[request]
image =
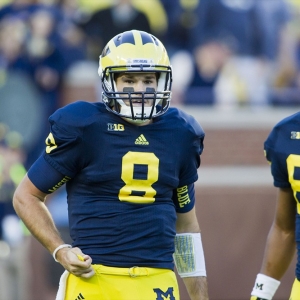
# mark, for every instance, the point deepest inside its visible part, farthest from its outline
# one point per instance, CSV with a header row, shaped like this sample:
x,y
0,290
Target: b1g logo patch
x,y
115,127
160,295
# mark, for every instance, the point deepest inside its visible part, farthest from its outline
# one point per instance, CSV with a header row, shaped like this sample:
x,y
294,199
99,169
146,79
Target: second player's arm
x,y
280,245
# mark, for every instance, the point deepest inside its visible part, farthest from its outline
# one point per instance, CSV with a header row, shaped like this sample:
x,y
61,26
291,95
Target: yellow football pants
x,y
295,294
136,283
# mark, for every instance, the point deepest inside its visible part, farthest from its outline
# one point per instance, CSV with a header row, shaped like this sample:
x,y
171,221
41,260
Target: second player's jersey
x,y
120,179
282,149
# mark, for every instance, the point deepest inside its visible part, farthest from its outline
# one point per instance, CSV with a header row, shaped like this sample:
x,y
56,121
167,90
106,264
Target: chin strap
x,y
136,122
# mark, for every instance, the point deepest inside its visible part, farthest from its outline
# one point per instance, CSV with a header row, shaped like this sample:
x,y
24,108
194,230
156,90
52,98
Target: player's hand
x,y
77,263
256,298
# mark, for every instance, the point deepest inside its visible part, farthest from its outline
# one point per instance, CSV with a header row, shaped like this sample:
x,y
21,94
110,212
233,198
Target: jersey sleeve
x,y
274,148
64,144
45,177
184,198
63,155
194,144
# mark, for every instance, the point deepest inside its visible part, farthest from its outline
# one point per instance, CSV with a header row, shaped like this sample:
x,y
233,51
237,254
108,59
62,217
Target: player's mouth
x,y
137,102
140,102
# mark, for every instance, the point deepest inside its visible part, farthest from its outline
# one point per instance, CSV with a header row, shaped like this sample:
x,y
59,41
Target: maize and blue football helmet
x,y
135,51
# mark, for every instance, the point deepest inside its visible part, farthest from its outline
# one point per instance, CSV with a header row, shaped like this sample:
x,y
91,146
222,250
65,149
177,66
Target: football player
x,y
282,150
129,165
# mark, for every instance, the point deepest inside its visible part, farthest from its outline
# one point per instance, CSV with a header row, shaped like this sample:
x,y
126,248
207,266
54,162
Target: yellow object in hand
x,y
80,257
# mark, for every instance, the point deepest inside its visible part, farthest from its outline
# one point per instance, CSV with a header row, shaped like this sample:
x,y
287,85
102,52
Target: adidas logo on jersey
x,y
141,140
80,297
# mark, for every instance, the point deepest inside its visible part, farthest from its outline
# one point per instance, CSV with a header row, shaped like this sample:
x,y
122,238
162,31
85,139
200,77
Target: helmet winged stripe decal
x,y
126,37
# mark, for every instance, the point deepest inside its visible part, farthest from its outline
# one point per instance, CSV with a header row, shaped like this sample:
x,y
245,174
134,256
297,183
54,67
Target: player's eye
x,y
130,81
148,81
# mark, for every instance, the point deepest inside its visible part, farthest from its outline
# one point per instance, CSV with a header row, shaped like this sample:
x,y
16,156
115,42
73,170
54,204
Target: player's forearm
x,y
280,249
196,287
35,215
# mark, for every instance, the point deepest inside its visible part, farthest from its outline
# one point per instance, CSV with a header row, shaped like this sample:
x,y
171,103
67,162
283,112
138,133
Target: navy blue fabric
x,y
47,176
184,201
102,155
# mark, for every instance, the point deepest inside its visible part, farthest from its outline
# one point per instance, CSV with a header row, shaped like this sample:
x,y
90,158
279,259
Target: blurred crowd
x,y
224,53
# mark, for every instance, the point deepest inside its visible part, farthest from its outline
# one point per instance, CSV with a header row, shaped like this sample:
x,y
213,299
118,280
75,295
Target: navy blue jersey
x,y
120,180
283,151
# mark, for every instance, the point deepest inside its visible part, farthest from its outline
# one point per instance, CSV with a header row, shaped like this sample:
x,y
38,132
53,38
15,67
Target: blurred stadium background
x,y
237,90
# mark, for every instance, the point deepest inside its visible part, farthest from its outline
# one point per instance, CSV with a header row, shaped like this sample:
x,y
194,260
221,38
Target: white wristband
x,y
188,255
58,248
265,287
